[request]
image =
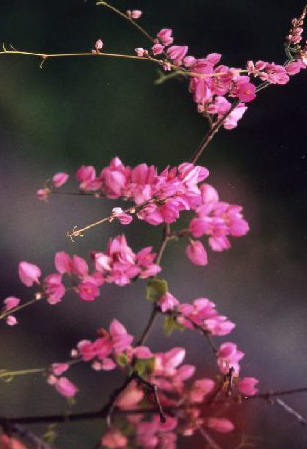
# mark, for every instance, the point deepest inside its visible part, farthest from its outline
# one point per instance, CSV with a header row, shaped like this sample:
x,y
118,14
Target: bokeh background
x,y
86,111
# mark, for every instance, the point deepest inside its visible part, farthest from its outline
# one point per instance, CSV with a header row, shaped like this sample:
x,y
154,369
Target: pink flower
x,y
29,273
165,36
197,253
7,442
11,320
130,397
98,45
43,194
246,386
200,389
65,387
88,290
245,91
141,52
114,439
86,175
229,357
168,302
59,368
120,337
121,215
11,302
134,14
59,179
157,49
62,262
177,53
54,288
222,425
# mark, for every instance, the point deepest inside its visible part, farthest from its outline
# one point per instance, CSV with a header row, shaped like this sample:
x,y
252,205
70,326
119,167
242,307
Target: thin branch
x,y
272,394
212,131
5,313
149,326
212,444
154,389
291,411
165,238
29,435
126,17
75,417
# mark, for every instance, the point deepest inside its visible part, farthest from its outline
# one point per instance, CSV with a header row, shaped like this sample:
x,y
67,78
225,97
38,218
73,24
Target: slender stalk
x,y
16,309
165,238
98,414
211,133
154,313
126,17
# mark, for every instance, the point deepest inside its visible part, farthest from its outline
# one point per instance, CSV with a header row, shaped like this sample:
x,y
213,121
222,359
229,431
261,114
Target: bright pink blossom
x,y
246,386
29,273
130,397
62,262
123,217
11,320
177,53
114,439
168,302
157,49
120,337
88,290
229,357
11,302
65,387
59,368
7,442
43,194
165,36
86,176
54,288
59,179
134,14
200,389
98,45
197,253
141,52
222,425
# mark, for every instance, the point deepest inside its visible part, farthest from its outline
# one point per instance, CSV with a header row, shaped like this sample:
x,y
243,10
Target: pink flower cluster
x,y
170,375
118,265
202,314
104,350
295,35
160,198
218,220
213,84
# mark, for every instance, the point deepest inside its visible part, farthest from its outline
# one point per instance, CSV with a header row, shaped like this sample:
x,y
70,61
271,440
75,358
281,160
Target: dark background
x,y
86,111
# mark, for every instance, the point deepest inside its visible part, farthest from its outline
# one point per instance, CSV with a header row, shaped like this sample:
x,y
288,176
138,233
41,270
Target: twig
x,y
151,321
154,389
29,435
290,410
212,131
208,439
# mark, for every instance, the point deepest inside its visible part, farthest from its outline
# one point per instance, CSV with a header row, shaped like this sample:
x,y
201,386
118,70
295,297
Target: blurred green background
x,y
86,111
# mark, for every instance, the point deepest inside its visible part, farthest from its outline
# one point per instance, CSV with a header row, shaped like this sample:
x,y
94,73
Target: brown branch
x,y
75,417
154,389
211,133
149,326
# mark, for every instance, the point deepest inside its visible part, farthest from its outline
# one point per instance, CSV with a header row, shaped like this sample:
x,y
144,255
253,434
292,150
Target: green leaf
x,y
170,324
122,360
156,288
145,367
